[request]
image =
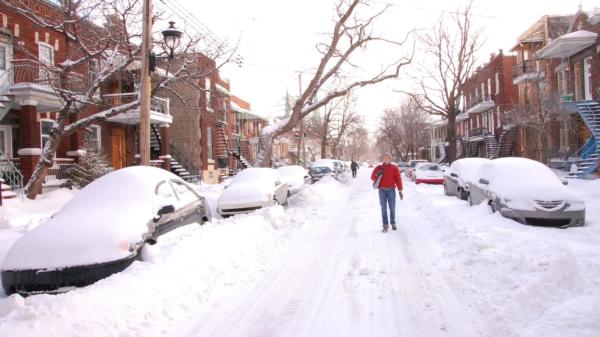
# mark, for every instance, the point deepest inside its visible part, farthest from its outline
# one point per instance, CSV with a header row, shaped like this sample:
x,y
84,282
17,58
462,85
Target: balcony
x,y
527,70
30,80
159,109
480,105
477,133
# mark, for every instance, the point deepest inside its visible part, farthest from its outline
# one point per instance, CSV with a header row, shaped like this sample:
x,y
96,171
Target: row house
x,y
436,151
533,77
246,131
483,127
574,64
30,56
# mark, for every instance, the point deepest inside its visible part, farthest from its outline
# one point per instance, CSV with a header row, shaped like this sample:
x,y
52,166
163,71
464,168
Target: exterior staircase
x,y
506,146
491,146
473,149
586,158
179,166
6,81
459,149
223,150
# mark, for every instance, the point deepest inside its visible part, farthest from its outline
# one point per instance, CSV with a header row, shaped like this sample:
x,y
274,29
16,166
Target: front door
x,y
587,78
118,149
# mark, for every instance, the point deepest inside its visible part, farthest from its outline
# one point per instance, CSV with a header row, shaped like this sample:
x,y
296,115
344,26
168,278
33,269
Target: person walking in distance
x,y
386,178
354,168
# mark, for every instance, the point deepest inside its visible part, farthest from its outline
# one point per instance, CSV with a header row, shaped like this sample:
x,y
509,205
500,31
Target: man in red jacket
x,y
386,177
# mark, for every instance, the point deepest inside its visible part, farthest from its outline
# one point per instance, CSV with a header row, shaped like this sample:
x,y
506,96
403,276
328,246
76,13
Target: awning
x,y
568,44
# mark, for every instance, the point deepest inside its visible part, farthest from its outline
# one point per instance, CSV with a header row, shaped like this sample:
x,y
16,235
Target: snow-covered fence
x,y
58,174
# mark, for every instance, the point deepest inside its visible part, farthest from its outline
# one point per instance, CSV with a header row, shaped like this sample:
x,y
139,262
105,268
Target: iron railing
x,y
58,174
32,71
527,67
157,104
11,173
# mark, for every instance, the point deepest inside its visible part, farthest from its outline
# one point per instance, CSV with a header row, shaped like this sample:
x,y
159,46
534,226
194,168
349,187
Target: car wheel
x,y
275,201
463,194
446,192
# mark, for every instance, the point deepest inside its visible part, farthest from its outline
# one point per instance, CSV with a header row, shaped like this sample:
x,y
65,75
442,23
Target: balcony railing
x,y
526,70
480,104
32,71
478,132
157,104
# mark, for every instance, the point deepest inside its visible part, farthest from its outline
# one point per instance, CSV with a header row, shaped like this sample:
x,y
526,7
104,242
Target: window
x,y
497,83
93,69
46,126
209,142
46,54
482,91
489,85
96,136
207,87
5,141
3,57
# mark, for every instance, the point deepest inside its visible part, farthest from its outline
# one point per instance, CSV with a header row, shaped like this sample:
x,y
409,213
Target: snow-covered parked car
x,y
321,168
252,189
462,172
526,191
101,230
408,172
428,173
295,176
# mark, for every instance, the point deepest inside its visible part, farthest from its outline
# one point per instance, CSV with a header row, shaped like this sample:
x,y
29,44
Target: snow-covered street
x,y
322,267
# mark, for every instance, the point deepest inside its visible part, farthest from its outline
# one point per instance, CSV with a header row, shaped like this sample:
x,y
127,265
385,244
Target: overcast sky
x,y
278,38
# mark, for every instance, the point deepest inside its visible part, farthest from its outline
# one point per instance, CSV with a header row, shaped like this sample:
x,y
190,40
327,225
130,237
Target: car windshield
x,y
319,170
414,163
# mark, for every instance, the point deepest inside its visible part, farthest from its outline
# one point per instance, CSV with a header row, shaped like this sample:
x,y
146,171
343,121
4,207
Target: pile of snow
x,y
524,280
186,270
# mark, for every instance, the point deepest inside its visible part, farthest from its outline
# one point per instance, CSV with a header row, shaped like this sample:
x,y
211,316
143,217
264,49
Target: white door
x,y
587,77
5,141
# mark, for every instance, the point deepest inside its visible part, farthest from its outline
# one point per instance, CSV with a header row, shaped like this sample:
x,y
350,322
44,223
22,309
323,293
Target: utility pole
x,y
145,85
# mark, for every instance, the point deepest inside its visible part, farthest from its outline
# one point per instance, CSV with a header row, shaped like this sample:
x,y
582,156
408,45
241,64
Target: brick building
x,y
484,128
30,59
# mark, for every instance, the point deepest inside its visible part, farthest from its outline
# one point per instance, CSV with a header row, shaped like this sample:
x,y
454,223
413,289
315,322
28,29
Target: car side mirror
x,y
484,181
454,175
167,209
565,182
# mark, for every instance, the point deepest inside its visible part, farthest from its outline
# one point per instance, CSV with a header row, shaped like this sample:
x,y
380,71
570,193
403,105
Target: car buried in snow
x,y
526,191
295,176
252,189
408,172
101,230
323,167
428,173
461,173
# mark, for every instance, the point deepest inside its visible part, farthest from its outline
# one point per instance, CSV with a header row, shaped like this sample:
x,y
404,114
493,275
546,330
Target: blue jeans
x,y
387,196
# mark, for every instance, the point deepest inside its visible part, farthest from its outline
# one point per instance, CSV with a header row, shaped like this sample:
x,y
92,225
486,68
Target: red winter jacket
x,y
391,176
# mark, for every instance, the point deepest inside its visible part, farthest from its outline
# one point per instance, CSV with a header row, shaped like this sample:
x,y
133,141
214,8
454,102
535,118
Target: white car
x,y
252,189
462,172
101,230
526,191
428,173
411,168
295,176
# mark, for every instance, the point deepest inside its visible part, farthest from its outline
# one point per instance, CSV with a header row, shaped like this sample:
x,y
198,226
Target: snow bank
x,y
526,281
184,272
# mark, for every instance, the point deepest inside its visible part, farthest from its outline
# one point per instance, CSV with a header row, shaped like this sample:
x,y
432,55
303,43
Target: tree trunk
x,y
451,135
34,185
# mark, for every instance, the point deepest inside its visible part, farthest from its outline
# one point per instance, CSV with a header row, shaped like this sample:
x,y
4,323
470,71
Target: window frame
x,y
42,121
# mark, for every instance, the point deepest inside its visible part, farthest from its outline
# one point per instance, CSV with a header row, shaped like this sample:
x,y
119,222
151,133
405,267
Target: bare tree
x,y
356,143
403,129
115,49
451,44
350,35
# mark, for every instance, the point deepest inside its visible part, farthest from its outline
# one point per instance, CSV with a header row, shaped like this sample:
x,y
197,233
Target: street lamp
x,y
172,37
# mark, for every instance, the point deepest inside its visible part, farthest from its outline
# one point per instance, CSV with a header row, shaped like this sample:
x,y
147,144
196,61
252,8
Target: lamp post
x,y
171,38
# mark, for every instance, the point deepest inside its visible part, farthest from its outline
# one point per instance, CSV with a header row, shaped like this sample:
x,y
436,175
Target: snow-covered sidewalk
x,y
322,267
